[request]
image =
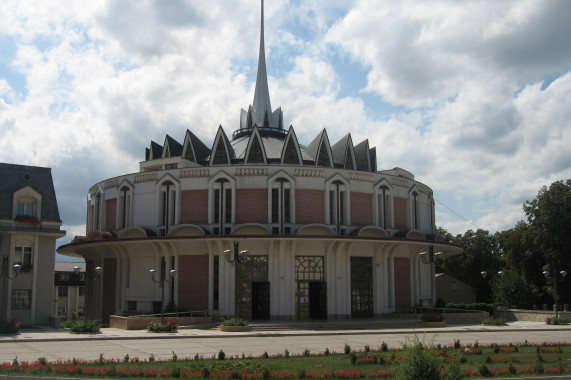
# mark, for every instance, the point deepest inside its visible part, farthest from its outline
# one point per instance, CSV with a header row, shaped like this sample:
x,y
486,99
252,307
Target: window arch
x,y
222,203
414,196
167,202
281,203
124,205
384,209
337,210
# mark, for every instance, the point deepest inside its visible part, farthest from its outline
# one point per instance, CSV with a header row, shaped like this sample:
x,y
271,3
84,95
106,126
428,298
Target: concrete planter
x,y
235,328
434,324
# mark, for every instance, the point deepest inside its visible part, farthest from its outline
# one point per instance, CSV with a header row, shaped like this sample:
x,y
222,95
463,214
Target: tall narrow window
x,y
415,210
125,209
338,205
97,211
222,205
281,208
384,208
168,205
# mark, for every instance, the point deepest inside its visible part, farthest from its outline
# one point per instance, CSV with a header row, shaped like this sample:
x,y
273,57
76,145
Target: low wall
x,y
529,315
141,323
448,317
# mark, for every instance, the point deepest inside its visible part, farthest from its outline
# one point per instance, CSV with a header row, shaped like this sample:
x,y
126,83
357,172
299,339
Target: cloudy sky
x,y
473,97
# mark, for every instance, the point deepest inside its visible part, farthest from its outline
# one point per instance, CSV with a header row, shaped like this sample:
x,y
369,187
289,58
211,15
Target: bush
x,y
347,349
419,363
557,321
9,327
168,325
85,326
234,322
472,306
494,321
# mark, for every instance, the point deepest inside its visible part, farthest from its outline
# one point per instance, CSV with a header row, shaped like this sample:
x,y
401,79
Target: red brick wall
x,y
309,206
400,213
109,284
194,206
402,283
361,209
193,282
110,214
252,206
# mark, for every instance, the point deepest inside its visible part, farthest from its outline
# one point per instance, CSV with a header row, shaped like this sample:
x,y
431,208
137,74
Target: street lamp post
x,y
6,270
555,295
161,281
5,273
236,256
95,277
431,257
484,274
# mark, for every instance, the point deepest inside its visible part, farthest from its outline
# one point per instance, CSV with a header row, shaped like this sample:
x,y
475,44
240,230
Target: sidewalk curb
x,y
275,334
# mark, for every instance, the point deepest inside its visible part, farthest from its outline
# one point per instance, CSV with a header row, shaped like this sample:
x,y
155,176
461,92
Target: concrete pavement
x,y
56,344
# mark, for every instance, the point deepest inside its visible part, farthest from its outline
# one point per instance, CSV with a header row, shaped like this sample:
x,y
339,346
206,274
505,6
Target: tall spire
x,y
261,103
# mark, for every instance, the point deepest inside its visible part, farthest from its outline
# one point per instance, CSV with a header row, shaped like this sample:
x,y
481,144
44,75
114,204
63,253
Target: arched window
x,y
281,205
414,211
222,205
97,223
167,202
337,206
124,212
384,209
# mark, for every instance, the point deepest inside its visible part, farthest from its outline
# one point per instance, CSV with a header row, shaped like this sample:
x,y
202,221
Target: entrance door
x,y
260,300
317,300
361,287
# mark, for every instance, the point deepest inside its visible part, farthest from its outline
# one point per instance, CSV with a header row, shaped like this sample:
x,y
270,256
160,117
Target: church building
x,y
260,225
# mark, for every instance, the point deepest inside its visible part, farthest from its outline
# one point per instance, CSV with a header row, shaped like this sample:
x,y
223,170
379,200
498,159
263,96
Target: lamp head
x,y
98,270
17,268
76,269
501,273
173,272
563,273
546,273
484,274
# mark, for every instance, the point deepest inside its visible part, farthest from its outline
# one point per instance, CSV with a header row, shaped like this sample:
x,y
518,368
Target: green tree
x,y
481,253
520,252
512,290
549,215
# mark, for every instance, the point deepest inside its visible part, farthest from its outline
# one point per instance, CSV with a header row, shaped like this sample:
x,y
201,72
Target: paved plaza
x,y
56,344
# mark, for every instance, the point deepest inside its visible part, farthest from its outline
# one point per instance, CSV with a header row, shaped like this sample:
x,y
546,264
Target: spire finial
x,y
261,102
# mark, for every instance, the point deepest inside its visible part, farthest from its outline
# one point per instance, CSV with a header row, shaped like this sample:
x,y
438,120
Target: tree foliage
x,y
543,242
481,253
512,290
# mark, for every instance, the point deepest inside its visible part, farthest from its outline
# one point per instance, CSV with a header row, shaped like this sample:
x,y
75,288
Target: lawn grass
x,y
455,361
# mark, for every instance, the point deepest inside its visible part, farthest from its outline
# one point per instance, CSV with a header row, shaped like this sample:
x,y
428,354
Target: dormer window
x,y
26,209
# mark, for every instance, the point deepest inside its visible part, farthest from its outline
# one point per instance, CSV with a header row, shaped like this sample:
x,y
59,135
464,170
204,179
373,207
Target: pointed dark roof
x,y
291,152
255,152
16,177
222,151
174,147
156,151
373,158
339,150
362,158
200,151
